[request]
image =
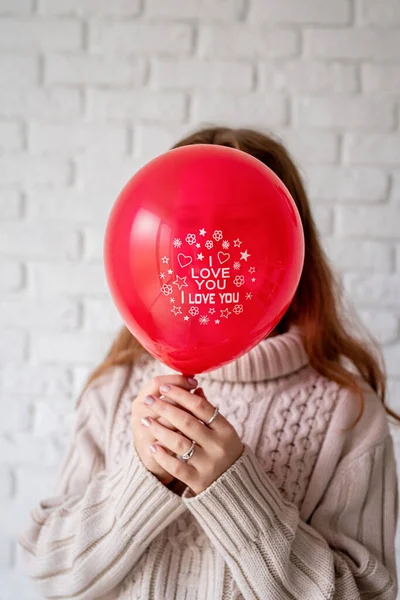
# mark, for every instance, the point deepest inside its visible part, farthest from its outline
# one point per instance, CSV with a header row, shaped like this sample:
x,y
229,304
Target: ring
x,y
189,453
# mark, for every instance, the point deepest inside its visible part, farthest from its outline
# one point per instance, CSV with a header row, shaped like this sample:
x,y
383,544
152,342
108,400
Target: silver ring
x,y
216,411
189,453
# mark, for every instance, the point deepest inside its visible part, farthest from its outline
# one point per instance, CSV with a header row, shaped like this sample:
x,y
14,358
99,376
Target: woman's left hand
x,y
217,447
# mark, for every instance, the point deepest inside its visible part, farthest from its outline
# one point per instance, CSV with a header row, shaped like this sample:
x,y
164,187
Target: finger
x,y
154,384
197,404
186,422
173,440
181,470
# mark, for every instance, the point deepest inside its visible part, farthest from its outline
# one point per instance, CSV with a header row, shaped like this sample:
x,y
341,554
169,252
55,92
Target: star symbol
x,y
198,245
202,231
253,279
172,300
226,311
252,270
186,318
170,271
244,255
162,275
237,243
200,256
211,311
165,259
178,281
176,310
216,321
249,296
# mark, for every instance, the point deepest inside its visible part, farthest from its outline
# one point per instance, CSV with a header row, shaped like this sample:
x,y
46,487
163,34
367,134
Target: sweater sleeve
x,y
344,552
81,542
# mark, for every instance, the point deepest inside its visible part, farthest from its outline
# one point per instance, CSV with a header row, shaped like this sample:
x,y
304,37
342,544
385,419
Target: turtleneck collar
x,y
273,357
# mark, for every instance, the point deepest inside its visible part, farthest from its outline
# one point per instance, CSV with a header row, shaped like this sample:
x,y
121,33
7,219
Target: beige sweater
x,y
306,513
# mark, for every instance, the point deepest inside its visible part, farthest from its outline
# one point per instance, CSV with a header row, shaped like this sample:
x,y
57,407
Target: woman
x,y
290,490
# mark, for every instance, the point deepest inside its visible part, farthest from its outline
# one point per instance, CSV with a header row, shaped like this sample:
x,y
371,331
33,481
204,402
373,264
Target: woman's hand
x,y
143,438
217,447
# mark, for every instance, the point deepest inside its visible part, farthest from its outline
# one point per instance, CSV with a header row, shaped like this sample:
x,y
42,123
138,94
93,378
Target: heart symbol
x,y
183,260
223,257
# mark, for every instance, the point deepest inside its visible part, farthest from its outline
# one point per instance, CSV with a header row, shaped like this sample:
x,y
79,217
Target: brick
x,y
36,380
381,78
85,8
101,315
94,70
239,41
10,205
40,103
112,172
151,140
356,255
305,76
373,289
308,11
34,241
17,7
77,137
54,416
373,148
392,359
353,43
32,170
195,74
308,146
27,449
18,70
13,344
40,34
140,38
382,13
40,313
10,136
74,348
382,324
343,111
345,184
6,483
18,416
378,222
75,206
323,217
64,278
136,104
193,9
11,275
241,109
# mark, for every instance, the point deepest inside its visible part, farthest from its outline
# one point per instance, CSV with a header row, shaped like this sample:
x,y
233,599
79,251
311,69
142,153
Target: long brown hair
x,y
317,308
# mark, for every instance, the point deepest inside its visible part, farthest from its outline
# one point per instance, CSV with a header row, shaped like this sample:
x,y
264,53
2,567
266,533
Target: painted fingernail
x,y
192,381
153,448
165,388
149,400
146,422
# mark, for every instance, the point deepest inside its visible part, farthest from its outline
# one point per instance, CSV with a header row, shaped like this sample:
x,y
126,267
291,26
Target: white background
x,y
92,89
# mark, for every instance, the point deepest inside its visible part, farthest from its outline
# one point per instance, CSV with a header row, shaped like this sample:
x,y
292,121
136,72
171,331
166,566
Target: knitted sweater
x,y
307,512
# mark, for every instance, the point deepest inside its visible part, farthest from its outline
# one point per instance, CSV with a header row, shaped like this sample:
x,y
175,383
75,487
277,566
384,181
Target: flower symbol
x,y
191,238
209,244
166,289
237,309
217,235
239,280
193,310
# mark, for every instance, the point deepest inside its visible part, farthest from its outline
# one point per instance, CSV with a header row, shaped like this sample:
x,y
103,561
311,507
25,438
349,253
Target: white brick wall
x,y
92,89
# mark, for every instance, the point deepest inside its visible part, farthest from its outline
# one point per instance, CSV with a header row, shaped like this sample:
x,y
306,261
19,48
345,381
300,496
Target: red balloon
x,y
203,253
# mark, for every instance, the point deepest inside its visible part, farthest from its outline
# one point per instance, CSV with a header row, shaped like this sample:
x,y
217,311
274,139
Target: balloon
x,y
203,253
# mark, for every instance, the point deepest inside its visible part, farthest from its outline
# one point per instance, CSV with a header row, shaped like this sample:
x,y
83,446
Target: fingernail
x,y
153,448
146,422
192,381
149,400
165,388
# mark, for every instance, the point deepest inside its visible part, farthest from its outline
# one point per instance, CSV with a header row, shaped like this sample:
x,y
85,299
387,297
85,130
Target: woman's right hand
x,y
142,438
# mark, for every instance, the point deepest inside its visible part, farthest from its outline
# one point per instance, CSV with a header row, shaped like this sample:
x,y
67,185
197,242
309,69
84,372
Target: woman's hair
x,y
317,307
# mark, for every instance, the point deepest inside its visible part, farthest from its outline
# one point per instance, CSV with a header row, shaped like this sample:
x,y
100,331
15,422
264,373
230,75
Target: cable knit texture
x,y
307,512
